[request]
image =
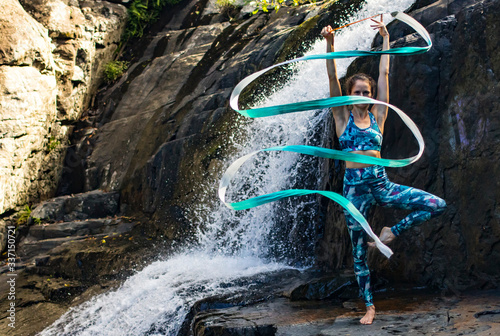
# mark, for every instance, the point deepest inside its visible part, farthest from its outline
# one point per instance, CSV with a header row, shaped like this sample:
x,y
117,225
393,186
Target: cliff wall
x,y
450,94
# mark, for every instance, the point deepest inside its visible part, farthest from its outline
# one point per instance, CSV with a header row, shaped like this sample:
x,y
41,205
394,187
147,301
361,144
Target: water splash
x,y
233,245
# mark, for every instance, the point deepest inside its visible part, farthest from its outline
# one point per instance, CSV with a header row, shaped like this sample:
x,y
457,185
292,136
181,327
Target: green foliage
x,y
143,12
23,215
224,3
53,143
265,5
114,69
226,7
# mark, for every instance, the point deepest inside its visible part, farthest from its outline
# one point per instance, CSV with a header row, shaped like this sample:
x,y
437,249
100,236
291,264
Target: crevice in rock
x,y
194,18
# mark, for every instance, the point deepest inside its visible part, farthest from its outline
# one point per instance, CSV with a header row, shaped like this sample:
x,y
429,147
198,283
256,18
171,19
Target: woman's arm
x,y
380,111
333,80
331,67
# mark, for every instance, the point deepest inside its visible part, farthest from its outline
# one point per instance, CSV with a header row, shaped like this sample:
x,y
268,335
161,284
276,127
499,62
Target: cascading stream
x,y
235,245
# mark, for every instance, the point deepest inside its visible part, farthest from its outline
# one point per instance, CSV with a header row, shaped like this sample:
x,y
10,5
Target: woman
x,y
360,131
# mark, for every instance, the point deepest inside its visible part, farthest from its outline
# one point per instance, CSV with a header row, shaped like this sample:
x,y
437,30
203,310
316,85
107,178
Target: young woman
x,y
360,131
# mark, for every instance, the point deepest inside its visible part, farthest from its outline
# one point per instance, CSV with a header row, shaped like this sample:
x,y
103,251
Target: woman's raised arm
x,y
333,80
380,111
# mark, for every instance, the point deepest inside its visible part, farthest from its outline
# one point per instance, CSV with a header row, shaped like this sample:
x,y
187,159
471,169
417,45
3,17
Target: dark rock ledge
x,y
399,312
82,247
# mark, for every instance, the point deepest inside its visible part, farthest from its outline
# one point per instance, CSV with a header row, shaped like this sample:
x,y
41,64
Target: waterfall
x,y
235,245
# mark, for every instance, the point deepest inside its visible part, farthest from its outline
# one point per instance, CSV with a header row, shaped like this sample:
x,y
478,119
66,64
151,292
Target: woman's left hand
x,y
380,26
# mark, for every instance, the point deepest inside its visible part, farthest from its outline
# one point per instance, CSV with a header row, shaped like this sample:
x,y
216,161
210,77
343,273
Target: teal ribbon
x,y
319,151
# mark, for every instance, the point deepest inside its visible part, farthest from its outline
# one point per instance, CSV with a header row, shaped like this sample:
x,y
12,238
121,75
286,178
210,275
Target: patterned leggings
x,y
365,187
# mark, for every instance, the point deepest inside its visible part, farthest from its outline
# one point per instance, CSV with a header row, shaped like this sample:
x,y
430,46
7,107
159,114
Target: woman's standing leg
x,y
362,199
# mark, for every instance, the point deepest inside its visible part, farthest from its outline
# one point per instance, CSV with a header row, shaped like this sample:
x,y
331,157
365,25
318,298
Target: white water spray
x,y
232,245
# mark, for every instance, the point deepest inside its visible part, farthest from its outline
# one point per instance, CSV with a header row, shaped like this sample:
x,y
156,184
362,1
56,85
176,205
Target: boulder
x,y
43,239
24,41
94,204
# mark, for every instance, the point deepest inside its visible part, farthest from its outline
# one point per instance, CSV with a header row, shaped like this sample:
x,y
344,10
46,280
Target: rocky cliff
x,y
52,53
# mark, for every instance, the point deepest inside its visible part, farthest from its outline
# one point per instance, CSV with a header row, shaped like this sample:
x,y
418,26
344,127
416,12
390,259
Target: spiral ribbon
x,y
325,152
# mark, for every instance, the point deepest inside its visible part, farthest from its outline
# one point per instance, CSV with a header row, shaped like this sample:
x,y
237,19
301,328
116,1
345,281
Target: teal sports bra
x,y
361,139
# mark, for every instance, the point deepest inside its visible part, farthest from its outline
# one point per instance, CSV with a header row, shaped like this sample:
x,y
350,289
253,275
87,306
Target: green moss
x,y
266,5
114,70
53,144
224,3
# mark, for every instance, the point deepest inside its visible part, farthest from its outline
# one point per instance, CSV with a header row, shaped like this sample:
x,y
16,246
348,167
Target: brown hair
x,y
349,83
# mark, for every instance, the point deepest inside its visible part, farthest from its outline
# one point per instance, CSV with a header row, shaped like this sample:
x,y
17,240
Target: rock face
x,y
52,53
28,102
94,204
159,133
450,93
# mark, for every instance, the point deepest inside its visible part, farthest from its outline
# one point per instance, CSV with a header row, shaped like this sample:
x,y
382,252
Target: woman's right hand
x,y
328,33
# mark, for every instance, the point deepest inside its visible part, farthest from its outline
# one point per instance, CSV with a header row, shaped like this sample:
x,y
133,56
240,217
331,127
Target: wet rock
x,y
489,316
43,238
31,248
399,313
218,330
42,260
93,204
258,289
57,289
323,288
80,228
54,274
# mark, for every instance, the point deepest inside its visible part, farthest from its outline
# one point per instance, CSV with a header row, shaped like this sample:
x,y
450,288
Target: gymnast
x,y
361,131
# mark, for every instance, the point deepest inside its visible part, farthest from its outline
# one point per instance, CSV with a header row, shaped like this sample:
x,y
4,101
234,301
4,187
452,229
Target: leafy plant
x,y
23,215
265,5
143,12
224,3
114,69
226,6
53,143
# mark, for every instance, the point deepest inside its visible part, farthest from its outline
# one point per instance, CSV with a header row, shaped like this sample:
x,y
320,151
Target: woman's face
x,y
361,88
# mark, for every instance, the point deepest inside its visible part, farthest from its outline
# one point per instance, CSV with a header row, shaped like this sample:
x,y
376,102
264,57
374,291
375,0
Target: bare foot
x,y
369,316
386,236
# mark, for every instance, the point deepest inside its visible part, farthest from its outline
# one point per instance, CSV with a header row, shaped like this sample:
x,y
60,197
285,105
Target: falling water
x,y
235,245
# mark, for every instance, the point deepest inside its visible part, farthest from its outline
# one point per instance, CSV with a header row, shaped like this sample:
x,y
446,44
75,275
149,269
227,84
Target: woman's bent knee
x,y
440,206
